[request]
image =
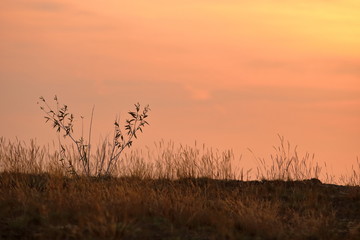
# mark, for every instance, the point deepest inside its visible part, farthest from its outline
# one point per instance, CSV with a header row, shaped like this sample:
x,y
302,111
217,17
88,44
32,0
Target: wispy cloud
x,y
48,6
197,93
351,68
300,95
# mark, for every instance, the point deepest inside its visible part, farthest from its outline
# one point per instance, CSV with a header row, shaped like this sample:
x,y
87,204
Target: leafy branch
x,y
63,122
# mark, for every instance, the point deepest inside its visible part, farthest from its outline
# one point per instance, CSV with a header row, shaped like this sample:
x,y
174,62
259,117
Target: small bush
x,y
63,122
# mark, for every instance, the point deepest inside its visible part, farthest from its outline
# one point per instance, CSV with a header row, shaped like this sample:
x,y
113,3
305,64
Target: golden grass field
x,y
174,193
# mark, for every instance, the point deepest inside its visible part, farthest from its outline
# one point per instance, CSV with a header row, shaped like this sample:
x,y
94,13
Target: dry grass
x,y
170,192
286,164
353,178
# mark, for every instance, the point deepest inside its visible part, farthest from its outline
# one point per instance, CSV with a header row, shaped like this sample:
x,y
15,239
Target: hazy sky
x,y
231,74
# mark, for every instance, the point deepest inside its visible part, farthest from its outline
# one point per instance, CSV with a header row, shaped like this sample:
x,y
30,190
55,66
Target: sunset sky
x,y
230,74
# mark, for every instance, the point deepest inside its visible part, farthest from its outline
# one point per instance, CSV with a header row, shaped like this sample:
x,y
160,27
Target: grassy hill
x,y
40,200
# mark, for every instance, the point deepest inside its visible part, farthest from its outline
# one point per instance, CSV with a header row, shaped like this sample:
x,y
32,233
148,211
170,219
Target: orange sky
x,y
231,74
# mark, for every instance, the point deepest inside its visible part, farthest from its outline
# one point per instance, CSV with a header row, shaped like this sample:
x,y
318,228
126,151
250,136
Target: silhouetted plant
x,y
286,164
63,122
